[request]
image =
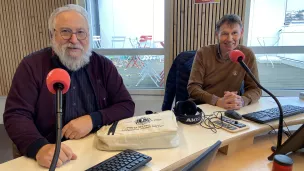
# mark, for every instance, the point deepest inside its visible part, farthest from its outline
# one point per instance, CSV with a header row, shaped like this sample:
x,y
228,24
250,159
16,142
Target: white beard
x,y
68,61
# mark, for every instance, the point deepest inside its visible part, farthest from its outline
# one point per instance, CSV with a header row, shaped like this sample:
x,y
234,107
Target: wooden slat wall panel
x,y
194,24
23,30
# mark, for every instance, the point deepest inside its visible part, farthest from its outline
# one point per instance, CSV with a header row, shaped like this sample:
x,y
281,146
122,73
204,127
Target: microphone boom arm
x,y
58,87
280,127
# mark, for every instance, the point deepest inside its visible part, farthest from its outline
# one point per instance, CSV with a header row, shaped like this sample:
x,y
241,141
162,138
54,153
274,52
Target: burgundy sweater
x,y
29,115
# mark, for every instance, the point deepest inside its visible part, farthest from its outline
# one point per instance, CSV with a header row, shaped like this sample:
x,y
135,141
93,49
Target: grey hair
x,y
230,19
69,7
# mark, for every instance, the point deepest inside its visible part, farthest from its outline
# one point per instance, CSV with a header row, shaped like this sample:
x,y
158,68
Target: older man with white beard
x,y
97,94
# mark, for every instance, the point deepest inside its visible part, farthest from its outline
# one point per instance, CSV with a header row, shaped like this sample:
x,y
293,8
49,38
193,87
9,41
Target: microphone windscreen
x,y
58,75
235,54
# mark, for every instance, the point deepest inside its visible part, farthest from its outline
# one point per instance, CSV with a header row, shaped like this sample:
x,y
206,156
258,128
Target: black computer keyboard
x,y
272,114
126,160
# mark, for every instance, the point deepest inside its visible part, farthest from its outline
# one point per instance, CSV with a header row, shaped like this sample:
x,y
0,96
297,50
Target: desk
x,y
254,157
193,141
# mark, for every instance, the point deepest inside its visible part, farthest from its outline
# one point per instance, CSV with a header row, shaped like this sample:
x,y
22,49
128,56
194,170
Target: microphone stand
x,y
280,128
58,87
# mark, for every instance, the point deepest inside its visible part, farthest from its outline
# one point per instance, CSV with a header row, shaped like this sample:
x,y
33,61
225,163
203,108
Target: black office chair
x,y
202,162
177,80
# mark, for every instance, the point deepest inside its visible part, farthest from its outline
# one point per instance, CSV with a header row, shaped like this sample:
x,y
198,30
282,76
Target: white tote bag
x,y
140,132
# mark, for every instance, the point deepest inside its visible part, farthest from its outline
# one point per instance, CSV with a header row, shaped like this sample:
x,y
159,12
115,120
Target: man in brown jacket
x,y
214,79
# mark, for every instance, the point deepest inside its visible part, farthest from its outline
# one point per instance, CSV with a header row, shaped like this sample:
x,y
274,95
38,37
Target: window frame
x,y
269,50
168,59
149,51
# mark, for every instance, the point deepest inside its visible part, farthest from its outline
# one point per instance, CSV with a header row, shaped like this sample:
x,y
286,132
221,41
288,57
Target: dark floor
x,y
5,146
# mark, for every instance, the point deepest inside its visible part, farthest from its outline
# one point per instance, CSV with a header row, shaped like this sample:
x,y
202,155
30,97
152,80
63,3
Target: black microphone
x,y
238,56
148,112
58,82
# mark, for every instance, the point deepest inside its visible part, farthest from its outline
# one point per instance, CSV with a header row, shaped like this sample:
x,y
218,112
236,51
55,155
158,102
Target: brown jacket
x,y
211,76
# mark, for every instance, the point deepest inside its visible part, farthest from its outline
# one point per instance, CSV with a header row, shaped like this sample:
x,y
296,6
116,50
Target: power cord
x,y
207,122
272,131
287,133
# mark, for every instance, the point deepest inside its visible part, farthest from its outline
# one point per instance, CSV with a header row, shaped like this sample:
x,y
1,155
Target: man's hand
x,y
230,101
45,155
78,127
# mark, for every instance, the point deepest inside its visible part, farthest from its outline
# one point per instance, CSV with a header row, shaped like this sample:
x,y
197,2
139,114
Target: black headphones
x,y
187,112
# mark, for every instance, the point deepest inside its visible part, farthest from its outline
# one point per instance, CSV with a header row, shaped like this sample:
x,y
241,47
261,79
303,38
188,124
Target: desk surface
x,y
193,141
254,157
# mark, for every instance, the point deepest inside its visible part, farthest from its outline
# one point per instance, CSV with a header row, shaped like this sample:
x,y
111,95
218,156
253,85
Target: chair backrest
x,y
203,161
145,41
134,42
184,66
97,42
177,80
118,41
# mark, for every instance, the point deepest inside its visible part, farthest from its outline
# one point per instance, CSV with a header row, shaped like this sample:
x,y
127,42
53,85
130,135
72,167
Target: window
x,y
131,34
276,35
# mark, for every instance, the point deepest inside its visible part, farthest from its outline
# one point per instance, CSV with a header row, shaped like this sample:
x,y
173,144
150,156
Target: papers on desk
x,y
140,132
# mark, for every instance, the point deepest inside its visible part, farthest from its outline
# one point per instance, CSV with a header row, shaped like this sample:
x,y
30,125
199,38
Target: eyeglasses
x,y
66,34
